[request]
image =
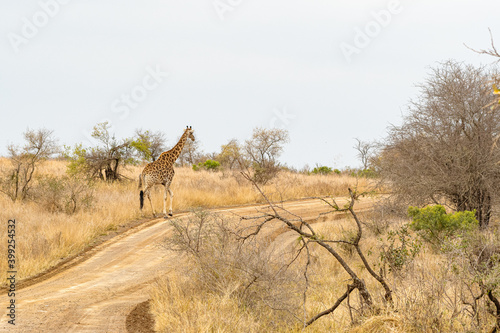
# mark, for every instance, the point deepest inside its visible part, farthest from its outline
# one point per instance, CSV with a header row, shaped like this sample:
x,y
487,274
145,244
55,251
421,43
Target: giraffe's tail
x,y
141,193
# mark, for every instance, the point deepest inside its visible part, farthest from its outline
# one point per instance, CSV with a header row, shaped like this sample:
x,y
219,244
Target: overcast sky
x,y
327,71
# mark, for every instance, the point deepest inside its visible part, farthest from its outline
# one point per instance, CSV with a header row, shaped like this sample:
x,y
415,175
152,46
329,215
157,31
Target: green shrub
x,y
76,158
366,173
322,170
435,225
401,249
209,165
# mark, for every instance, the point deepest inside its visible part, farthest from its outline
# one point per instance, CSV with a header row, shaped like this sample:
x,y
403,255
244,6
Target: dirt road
x,y
97,294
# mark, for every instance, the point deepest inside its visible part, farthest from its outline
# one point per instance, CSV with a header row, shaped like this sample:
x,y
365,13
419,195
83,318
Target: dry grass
x,y
180,309
425,296
426,293
44,238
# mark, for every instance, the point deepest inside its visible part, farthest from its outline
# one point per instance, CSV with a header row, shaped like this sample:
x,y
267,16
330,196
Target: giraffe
x,y
161,172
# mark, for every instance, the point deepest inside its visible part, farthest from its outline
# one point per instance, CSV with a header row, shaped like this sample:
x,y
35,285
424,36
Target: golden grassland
x,y
425,297
45,238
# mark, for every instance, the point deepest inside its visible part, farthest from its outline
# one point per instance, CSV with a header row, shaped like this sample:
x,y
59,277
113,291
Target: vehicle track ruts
x,y
94,292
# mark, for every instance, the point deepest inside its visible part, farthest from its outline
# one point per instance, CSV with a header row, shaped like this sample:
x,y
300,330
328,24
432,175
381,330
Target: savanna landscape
x,y
407,243
186,209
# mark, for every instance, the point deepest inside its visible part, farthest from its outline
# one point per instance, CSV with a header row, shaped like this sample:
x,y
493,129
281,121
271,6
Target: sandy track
x,y
96,294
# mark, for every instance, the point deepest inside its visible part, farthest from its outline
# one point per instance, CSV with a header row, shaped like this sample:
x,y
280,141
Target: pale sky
x,y
327,71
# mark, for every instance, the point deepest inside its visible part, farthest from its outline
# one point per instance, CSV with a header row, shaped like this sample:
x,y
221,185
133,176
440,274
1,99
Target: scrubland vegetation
x,y
49,229
426,258
440,273
262,285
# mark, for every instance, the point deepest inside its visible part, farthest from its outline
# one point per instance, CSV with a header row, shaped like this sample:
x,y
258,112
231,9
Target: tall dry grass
x,y
44,238
426,293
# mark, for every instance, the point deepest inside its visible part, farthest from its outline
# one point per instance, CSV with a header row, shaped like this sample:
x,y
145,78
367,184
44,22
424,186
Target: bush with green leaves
x,y
149,145
401,249
106,159
209,165
322,170
435,225
363,173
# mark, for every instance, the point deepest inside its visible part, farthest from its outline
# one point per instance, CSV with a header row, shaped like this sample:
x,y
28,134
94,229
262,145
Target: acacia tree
x,y
40,145
104,160
230,155
110,153
263,150
446,151
149,145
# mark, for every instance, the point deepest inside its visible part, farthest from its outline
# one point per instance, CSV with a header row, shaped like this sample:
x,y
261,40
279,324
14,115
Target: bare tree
x,y
494,53
39,146
446,151
263,150
251,272
491,52
190,154
365,152
309,237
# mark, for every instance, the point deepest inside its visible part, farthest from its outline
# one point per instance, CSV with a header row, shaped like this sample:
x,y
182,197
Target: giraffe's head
x,y
190,132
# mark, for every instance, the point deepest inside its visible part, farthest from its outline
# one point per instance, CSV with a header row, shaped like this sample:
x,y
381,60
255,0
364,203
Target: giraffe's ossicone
x,y
161,172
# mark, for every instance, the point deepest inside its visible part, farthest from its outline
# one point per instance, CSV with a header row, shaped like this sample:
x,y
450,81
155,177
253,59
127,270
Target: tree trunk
x,y
483,212
478,200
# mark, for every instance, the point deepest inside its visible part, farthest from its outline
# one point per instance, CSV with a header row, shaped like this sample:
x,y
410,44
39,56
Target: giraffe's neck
x,y
174,153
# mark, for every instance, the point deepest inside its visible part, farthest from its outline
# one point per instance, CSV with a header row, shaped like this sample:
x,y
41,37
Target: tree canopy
x,y
447,150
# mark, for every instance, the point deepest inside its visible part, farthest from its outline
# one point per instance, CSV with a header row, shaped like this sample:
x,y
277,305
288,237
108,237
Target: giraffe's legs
x,y
171,199
167,189
165,201
147,193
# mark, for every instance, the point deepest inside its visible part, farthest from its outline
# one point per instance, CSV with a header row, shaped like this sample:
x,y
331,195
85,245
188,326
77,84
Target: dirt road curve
x,y
97,294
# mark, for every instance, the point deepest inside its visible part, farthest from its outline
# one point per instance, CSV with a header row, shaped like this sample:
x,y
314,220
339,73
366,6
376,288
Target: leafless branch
x,y
339,301
491,52
311,236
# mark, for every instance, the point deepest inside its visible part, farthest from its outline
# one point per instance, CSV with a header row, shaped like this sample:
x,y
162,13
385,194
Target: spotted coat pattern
x,y
161,172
